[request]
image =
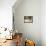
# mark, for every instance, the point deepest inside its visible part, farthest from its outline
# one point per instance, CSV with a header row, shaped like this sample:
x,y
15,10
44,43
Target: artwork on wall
x,y
28,19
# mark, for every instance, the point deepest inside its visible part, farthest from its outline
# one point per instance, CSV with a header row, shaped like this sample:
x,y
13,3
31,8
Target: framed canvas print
x,y
28,19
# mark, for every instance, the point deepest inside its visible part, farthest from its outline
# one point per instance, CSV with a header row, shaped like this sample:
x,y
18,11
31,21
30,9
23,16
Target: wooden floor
x,y
9,43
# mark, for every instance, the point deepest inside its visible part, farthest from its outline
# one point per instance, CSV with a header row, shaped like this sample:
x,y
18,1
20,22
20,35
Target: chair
x,y
18,39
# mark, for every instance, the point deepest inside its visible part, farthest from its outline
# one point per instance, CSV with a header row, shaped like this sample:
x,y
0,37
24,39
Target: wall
x,y
29,30
43,22
6,13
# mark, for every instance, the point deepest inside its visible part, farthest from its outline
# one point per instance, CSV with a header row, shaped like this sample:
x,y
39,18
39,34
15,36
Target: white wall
x,y
43,22
30,30
6,13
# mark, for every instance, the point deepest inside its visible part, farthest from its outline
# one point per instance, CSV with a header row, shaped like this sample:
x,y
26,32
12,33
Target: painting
x,y
28,19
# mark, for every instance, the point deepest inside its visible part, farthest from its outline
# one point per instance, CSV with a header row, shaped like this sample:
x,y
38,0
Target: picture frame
x,y
28,19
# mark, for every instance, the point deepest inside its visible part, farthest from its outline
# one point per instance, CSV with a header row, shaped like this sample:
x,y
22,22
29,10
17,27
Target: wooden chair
x,y
18,39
